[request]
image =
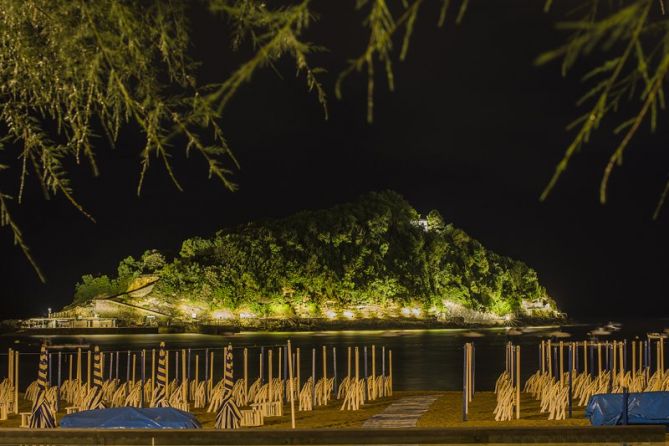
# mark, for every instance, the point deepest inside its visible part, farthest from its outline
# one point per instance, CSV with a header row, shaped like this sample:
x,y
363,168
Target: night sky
x,y
473,130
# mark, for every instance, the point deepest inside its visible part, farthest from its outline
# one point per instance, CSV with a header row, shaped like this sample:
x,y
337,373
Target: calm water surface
x,y
422,359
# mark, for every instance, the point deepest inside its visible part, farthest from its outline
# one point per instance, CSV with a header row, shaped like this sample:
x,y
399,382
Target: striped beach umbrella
x,y
160,390
94,399
229,415
43,411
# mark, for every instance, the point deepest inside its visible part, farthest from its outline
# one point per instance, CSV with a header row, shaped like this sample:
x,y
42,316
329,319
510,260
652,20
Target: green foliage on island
x,y
373,253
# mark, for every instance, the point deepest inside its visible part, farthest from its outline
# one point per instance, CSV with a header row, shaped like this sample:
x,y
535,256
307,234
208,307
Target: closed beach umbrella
x,y
229,416
43,412
95,395
160,392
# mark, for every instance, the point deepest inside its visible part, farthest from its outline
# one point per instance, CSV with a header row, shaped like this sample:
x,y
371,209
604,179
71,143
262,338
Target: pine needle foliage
x,y
634,37
383,25
74,71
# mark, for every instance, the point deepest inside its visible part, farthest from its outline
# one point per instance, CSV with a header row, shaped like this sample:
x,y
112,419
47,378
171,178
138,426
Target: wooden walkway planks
x,y
401,414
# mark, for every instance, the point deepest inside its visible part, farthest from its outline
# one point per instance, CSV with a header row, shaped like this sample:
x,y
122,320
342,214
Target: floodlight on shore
x,y
349,314
331,314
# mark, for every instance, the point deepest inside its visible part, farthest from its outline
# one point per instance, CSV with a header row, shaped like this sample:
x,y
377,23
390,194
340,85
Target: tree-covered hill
x,y
374,257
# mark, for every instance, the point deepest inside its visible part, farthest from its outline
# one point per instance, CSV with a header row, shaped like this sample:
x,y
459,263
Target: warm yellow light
x,y
222,314
246,315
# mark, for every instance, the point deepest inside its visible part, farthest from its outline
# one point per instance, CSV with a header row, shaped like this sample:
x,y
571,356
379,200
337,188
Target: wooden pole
x,y
88,372
167,374
390,370
585,357
184,376
79,377
278,363
334,372
269,374
291,389
262,363
599,359
153,370
325,375
211,371
10,366
633,359
374,390
313,376
297,366
17,380
348,367
197,371
465,400
357,375
246,375
70,363
561,362
518,382
134,368
550,360
143,377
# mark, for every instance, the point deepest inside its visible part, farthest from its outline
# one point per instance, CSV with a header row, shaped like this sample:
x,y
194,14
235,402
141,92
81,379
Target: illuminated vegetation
x,y
369,258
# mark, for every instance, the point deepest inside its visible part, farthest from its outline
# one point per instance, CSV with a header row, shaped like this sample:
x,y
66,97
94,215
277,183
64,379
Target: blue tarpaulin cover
x,y
642,408
132,418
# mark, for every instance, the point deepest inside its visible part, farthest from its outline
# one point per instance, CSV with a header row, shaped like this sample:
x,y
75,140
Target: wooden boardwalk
x,y
401,414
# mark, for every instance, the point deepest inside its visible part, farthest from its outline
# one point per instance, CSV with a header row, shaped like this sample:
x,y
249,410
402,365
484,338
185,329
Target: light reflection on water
x,y
422,359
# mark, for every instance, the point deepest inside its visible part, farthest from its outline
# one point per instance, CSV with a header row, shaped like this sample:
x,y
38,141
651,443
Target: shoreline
x,y
290,325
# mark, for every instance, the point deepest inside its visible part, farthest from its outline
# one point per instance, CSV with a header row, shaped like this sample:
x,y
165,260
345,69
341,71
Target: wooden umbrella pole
x,y
541,357
335,387
585,357
313,377
325,375
246,375
70,361
297,366
549,357
153,369
79,377
390,371
184,376
373,396
614,352
561,362
167,374
599,359
10,366
269,374
348,367
210,385
196,377
518,382
261,374
383,370
17,379
134,368
357,378
278,363
633,359
290,384
88,372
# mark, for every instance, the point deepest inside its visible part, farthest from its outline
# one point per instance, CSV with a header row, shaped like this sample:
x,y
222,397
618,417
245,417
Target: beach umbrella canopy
x,y
160,391
229,415
43,412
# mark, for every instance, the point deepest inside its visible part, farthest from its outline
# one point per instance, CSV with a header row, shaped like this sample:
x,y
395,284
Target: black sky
x,y
473,130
